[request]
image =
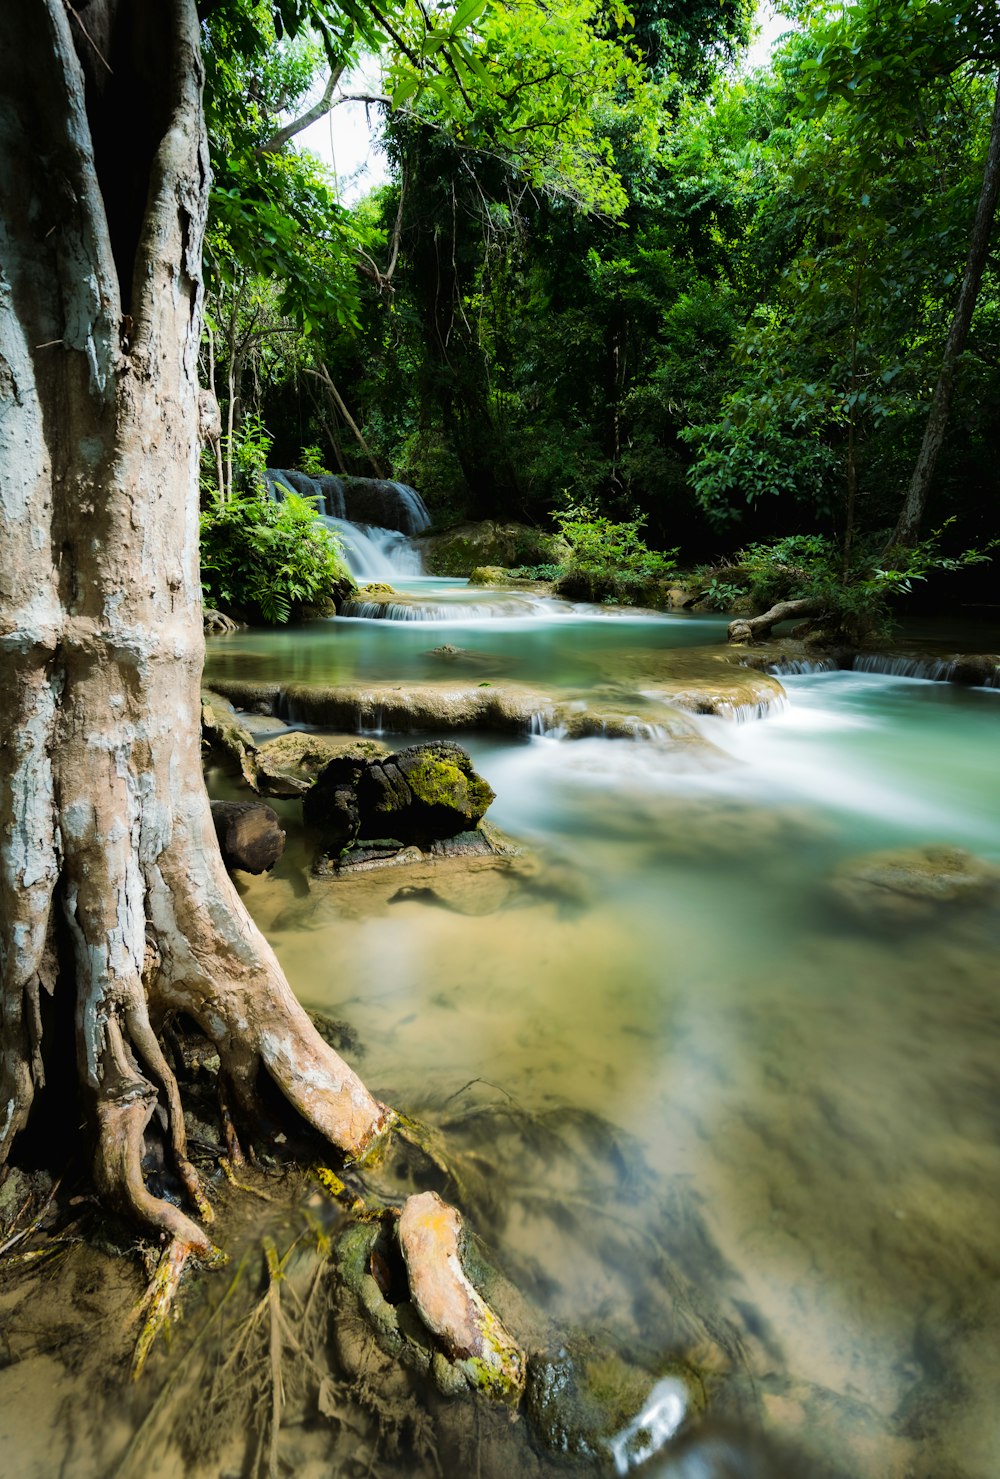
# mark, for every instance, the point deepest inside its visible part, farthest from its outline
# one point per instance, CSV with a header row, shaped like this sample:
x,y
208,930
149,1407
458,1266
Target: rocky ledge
x,y
653,707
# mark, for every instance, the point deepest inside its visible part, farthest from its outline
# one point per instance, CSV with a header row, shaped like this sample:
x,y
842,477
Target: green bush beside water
x,y
269,562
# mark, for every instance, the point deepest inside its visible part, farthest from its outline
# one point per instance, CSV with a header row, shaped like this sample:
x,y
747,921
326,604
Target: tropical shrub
x,y
608,560
858,596
267,561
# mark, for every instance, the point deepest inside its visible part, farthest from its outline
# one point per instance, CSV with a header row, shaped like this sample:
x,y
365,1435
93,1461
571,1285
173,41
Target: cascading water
x,y
735,944
375,519
376,554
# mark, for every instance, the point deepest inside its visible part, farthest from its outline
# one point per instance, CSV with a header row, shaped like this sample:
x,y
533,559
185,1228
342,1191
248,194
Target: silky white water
x,y
812,1095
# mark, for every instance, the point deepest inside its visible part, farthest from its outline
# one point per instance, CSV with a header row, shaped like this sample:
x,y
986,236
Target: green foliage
x,y
857,599
251,446
536,572
266,561
620,271
608,560
311,462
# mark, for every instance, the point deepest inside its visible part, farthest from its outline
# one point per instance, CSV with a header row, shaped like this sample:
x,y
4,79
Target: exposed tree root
x,y
429,1234
124,1109
751,628
158,1300
251,1191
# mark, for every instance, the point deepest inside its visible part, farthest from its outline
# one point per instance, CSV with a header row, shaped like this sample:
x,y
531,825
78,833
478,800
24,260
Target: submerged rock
x,y
588,1402
417,795
912,886
250,835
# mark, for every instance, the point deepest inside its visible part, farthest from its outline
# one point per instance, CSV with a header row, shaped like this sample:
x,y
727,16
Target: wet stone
x,y
586,1402
912,886
418,795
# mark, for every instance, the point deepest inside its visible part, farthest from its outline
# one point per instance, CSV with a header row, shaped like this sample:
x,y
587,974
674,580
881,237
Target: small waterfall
x,y
976,670
575,720
414,510
749,713
796,666
935,669
375,554
374,519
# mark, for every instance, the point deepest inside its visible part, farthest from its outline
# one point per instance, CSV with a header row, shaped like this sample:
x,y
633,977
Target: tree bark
x,y
908,527
113,897
751,628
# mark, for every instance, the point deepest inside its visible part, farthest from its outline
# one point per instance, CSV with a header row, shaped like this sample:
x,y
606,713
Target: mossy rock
x,y
498,546
417,795
376,590
489,575
442,784
587,1401
289,764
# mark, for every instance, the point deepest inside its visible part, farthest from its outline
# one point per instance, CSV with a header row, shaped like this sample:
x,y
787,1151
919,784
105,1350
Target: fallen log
x,y
250,835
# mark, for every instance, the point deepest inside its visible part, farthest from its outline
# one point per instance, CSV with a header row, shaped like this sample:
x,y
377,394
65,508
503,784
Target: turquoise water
x,y
524,638
807,1093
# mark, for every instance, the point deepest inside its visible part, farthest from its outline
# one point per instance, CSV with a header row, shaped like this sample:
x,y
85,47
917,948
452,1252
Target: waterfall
x,y
374,519
975,669
375,554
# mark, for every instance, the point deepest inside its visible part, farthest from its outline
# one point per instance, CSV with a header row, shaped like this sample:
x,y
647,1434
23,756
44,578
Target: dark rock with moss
x,y
331,806
417,795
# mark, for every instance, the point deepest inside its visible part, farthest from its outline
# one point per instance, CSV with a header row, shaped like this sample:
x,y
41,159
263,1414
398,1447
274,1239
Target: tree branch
x,y
280,138
324,374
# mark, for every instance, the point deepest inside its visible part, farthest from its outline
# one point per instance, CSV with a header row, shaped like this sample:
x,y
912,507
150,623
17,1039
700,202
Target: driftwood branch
x,y
751,628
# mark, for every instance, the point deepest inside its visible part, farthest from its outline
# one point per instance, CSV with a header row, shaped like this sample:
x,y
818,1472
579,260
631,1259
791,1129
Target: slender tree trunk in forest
x,y
113,898
908,527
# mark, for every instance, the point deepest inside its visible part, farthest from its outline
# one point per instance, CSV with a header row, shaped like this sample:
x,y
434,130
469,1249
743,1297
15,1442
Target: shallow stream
x,y
815,1092
714,1114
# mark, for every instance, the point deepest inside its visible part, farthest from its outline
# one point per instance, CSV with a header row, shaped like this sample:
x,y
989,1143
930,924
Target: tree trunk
x,y
908,527
113,896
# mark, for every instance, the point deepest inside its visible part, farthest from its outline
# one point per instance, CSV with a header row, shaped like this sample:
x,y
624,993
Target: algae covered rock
x,y
289,764
418,795
912,886
588,1402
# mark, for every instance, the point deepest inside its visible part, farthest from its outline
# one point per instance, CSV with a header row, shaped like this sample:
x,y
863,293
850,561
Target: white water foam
x,y
375,554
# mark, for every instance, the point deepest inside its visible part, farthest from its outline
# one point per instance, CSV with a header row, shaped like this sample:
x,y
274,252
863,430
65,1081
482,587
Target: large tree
x,y
115,908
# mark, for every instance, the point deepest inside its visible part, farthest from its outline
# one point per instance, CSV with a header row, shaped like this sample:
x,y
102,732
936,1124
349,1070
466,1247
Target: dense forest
x,y
615,276
648,1124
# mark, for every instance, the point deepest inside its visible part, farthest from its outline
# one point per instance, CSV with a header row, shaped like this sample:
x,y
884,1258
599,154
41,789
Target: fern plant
x,y
265,561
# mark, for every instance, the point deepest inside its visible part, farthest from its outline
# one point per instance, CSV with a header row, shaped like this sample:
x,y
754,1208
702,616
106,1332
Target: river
x,y
807,1096
713,1106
